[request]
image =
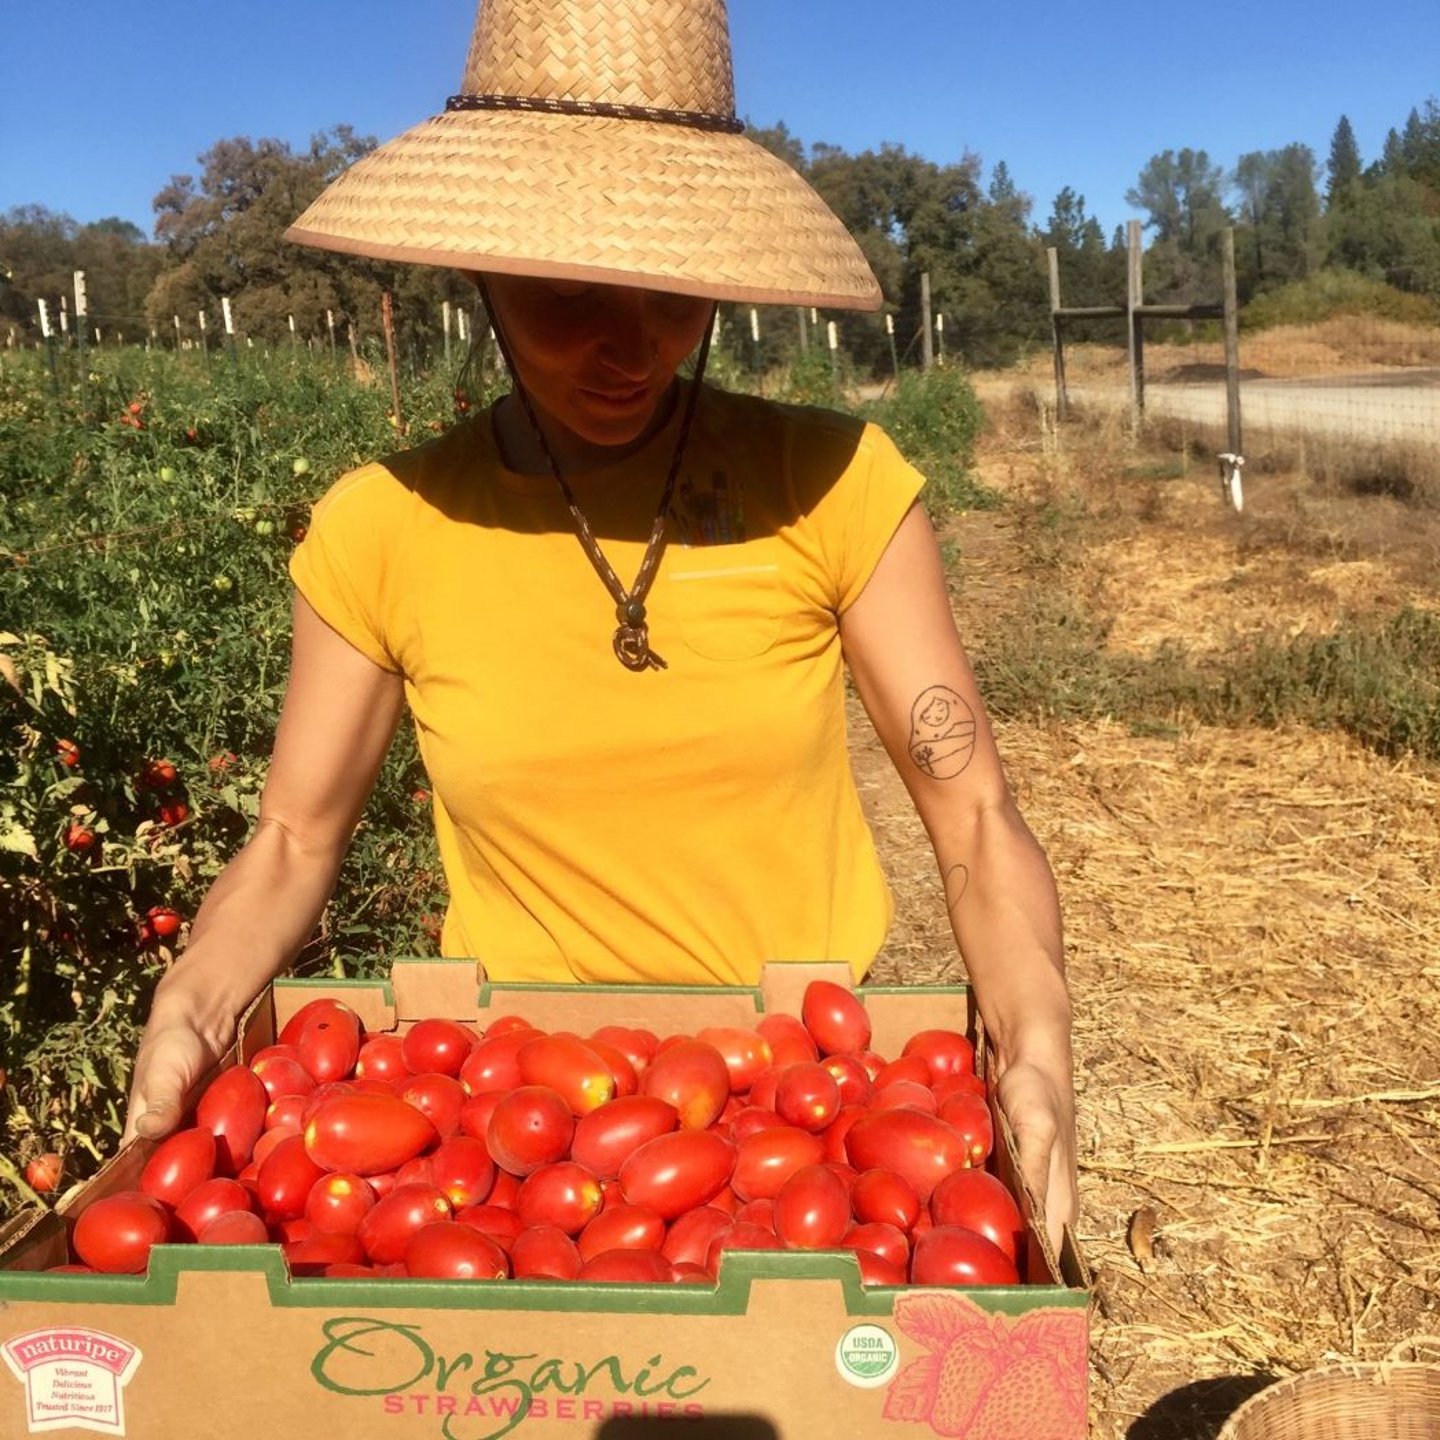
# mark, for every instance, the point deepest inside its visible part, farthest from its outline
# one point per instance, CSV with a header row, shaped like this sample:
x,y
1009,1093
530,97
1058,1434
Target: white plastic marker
x,y
44,319
292,324
889,324
80,300
229,319
445,318
202,324
64,317
754,324
832,334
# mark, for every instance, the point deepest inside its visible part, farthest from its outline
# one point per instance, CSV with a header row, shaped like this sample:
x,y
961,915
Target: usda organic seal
x,y
866,1356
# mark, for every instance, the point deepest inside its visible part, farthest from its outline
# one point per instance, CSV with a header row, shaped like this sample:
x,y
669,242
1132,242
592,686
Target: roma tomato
x,y
461,1168
438,1097
922,1148
209,1199
290,1031
633,1267
835,1133
281,1073
623,1227
444,1250
789,1041
637,1046
338,1203
499,1222
439,1046
835,1018
234,1227
381,1057
876,1270
366,1134
750,1118
328,1042
945,1052
494,1063
856,1086
908,1067
386,1229
42,1174
529,1127
950,1255
880,1239
606,1137
565,1195
812,1209
569,1067
116,1234
977,1200
807,1096
969,1113
881,1197
544,1252
766,1159
233,1109
687,1242
627,1078
285,1179
740,1237
314,1254
678,1172
745,1052
178,1165
904,1095
693,1077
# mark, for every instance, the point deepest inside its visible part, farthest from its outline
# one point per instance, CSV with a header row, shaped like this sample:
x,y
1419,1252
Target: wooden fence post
x,y
1062,400
1232,343
1135,297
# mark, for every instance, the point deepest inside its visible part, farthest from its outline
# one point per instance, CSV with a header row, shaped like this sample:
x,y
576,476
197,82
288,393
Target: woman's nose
x,y
627,339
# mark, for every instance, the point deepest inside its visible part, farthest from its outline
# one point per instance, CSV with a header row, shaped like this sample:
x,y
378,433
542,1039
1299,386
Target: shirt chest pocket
x,y
726,607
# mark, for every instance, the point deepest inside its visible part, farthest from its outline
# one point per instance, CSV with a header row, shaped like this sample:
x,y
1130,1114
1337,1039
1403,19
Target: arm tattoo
x,y
942,732
957,881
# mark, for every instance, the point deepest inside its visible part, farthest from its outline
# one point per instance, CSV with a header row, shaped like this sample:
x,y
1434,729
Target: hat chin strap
x,y
631,640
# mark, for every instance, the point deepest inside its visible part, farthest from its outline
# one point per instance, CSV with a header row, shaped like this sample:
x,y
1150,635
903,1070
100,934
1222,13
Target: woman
x,y
650,785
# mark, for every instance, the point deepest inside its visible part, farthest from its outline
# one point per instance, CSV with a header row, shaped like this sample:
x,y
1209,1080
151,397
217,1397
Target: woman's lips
x,y
619,399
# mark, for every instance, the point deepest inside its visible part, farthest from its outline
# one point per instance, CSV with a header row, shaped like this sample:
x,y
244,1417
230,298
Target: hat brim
x,y
610,201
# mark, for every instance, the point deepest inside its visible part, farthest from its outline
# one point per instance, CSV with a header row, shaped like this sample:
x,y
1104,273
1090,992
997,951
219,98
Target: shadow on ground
x,y
1198,1410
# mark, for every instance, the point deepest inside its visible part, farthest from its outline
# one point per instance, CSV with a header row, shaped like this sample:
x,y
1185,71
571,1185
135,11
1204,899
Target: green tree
x,y
1280,210
1391,233
1343,167
1182,195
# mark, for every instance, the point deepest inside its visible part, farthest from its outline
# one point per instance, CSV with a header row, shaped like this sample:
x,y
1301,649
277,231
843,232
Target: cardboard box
x,y
223,1342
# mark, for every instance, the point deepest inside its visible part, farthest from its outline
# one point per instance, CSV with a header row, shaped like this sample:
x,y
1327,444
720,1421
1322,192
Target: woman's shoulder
x,y
416,472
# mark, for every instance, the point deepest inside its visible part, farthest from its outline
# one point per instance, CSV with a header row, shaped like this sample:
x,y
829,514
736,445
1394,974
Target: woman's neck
x,y
522,451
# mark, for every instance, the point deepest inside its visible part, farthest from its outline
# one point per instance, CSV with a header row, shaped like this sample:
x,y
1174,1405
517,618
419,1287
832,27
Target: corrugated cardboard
x,y
223,1342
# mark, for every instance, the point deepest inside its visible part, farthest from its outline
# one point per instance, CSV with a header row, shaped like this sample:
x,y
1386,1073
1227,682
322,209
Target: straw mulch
x,y
1251,921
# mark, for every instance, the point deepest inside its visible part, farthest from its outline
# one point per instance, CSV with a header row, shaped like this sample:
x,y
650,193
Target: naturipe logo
x,y
73,1377
866,1356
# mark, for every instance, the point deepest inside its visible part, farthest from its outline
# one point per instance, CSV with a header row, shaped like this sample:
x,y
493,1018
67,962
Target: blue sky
x,y
102,102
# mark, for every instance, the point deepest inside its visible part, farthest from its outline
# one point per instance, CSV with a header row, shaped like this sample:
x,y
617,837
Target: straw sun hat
x,y
596,140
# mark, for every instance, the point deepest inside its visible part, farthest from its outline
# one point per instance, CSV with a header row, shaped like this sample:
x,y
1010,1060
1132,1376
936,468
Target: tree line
x,y
218,232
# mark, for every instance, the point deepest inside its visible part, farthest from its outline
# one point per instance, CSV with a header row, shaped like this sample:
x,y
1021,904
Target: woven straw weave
x,y
594,197
1388,1400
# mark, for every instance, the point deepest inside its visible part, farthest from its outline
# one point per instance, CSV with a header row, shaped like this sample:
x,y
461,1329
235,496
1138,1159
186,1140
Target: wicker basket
x,y
1391,1399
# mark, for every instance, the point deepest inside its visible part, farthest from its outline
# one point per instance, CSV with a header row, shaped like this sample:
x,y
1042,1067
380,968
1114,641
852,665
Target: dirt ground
x,y
1249,920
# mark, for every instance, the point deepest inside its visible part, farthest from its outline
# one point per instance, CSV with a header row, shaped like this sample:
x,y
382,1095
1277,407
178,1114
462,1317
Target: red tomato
x,y
626,1077
338,1203
674,1173
163,921
904,1095
967,1084
876,1270
115,1235
921,1148
688,1239
856,1086
438,1097
910,1067
79,839
172,813
564,1194
544,1252
493,1064
178,1165
42,1174
437,1045
366,1134
807,1096
789,1041
209,1199
233,1110
314,1254
757,1212
750,1118
386,1229
504,1024
506,1189
950,1255
883,1197
234,1227
281,1072
569,1067
835,1133
462,1170
158,774
693,1077
499,1222
945,1052
978,1201
835,1018
740,1237
637,1046
285,1179
328,1043
381,1058
762,1092
529,1127
969,1113
633,1267
623,1227
286,1113
444,1250
746,1053
812,1209
416,1172
606,1137
766,1159
880,1239
475,1113
69,753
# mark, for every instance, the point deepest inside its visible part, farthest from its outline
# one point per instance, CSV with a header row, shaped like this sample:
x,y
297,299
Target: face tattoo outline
x,y
942,732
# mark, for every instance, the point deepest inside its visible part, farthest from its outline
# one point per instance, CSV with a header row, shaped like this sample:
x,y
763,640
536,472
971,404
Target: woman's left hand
x,y
1041,1112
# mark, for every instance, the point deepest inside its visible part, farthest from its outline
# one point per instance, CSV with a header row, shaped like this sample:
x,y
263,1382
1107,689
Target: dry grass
x,y
1250,920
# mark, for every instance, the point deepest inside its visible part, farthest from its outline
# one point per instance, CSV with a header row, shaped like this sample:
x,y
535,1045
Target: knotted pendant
x,y
632,638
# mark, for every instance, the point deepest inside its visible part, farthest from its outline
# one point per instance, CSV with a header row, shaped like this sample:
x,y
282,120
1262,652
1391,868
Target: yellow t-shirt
x,y
679,826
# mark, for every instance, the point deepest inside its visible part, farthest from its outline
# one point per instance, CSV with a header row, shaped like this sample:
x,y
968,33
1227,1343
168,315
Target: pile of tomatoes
x,y
441,1153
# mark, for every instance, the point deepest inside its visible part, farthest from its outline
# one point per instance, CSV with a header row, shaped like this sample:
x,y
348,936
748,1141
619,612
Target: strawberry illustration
x,y
1024,1401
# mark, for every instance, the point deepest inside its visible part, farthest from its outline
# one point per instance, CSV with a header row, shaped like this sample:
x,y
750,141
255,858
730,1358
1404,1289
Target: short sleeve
x,y
343,566
868,504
